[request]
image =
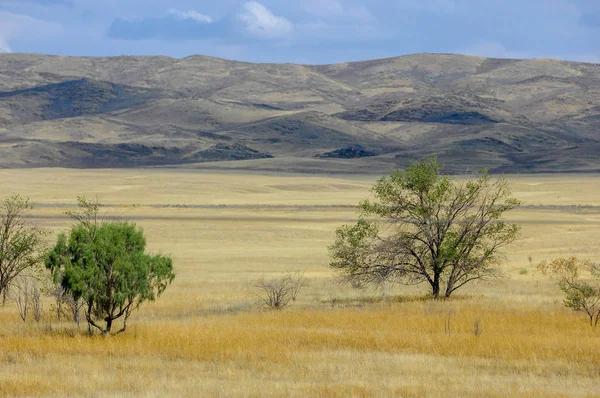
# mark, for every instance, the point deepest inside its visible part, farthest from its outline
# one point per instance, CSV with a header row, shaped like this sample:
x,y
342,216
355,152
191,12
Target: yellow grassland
x,y
208,336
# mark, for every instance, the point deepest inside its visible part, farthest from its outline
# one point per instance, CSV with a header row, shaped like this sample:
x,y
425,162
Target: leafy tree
x,y
581,295
106,266
21,243
88,215
424,227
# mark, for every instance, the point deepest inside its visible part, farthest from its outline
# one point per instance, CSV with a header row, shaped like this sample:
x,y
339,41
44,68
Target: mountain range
x,y
505,115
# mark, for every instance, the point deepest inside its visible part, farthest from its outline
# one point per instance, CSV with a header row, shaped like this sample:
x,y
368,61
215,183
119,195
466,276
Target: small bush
x,y
279,293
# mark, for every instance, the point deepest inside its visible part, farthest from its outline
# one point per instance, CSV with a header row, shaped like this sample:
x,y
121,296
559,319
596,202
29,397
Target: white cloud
x,y
262,23
193,15
17,26
4,47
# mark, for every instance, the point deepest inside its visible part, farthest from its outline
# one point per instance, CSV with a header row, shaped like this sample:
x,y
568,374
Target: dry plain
x,y
208,336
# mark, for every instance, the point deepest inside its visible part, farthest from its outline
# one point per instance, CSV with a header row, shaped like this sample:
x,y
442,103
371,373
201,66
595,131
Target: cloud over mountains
x,y
252,19
25,27
316,31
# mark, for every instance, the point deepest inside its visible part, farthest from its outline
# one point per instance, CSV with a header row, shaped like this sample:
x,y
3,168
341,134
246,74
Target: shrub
x,y
581,295
279,293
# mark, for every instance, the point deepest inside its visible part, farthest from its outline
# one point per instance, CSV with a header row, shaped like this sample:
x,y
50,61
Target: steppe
x,y
209,336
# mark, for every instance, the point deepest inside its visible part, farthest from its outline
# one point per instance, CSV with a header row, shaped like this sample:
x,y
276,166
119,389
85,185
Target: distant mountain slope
x,y
372,116
74,98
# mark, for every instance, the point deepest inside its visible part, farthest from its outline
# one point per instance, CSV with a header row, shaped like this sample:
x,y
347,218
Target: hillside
x,y
202,112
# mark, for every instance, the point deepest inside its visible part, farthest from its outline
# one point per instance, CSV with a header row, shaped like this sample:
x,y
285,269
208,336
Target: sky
x,y
303,31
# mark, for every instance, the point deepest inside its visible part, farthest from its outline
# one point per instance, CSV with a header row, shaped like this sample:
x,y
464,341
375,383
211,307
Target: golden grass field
x,y
208,335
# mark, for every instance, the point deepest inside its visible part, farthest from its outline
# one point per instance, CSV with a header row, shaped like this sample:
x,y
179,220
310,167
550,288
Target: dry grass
x,y
329,352
207,336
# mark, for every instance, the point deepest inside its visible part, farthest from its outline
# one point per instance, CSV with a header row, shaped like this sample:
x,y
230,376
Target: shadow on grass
x,y
398,299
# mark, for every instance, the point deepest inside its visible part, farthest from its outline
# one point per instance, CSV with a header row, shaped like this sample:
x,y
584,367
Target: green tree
x,y
106,266
425,227
581,295
21,243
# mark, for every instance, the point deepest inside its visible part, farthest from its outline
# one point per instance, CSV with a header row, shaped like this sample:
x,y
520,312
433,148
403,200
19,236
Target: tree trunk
x,y
76,316
449,289
435,286
108,326
384,289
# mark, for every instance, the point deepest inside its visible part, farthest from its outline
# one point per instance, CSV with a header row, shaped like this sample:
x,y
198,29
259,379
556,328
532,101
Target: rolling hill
x,y
200,112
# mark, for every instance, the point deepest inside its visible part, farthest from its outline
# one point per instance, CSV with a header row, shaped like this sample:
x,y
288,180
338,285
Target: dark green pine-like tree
x,y
107,267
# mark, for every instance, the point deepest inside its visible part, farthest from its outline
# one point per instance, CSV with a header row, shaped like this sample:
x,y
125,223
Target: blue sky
x,y
303,31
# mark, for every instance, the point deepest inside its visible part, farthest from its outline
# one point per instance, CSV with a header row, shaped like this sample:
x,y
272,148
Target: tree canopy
x,y
106,266
425,227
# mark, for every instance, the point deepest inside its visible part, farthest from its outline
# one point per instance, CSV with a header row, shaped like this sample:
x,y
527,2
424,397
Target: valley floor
x,y
208,335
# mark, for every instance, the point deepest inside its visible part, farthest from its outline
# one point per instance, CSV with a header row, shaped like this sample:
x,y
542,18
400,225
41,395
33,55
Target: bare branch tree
x,y
20,242
36,302
278,293
88,213
27,296
64,302
21,295
297,281
58,294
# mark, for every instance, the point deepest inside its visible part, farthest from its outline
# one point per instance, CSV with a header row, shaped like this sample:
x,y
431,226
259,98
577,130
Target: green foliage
x,y
580,295
352,254
21,243
108,268
423,226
